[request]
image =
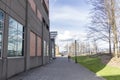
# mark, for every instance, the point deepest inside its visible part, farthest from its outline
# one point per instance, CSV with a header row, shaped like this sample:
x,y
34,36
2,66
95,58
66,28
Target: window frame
x,y
23,39
2,33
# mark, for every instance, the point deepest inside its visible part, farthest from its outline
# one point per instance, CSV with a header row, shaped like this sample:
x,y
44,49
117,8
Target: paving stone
x,y
59,69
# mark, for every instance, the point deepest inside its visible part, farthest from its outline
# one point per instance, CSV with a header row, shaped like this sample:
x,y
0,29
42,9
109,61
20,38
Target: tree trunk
x,y
110,52
114,28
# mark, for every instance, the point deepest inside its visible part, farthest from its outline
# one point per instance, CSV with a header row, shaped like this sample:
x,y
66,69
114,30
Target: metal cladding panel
x,y
35,62
15,66
17,10
0,68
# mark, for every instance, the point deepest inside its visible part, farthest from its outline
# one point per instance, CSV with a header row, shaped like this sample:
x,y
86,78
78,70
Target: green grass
x,y
94,64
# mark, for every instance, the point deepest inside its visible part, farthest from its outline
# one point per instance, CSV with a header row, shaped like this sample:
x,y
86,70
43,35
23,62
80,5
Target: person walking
x,y
69,57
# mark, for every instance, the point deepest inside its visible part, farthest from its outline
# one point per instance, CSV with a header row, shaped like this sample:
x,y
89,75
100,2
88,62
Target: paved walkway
x,y
60,69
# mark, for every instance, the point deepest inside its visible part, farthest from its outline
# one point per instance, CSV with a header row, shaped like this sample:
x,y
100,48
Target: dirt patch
x,y
105,58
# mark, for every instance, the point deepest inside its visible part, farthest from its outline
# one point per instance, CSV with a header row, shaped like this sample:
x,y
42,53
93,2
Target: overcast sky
x,y
69,17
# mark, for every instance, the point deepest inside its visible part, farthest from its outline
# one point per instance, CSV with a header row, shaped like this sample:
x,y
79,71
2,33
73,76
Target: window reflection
x,y
1,29
15,38
45,48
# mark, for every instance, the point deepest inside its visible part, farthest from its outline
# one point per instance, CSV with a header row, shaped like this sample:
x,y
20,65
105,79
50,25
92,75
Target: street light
x,y
75,52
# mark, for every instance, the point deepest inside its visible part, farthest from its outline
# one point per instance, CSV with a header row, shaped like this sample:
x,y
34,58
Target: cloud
x,y
68,13
69,20
69,17
71,35
65,35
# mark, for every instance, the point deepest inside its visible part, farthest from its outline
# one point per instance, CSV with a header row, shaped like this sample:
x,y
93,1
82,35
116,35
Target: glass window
x,y
1,29
38,46
47,3
33,5
32,43
47,49
39,15
15,38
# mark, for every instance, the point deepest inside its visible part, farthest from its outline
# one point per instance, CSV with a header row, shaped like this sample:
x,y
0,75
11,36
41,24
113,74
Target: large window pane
x,y
39,15
20,39
45,49
38,46
32,44
33,5
15,38
1,30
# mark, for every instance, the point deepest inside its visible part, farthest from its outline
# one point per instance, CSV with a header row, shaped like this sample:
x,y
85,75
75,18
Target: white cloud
x,y
69,17
65,35
71,36
69,21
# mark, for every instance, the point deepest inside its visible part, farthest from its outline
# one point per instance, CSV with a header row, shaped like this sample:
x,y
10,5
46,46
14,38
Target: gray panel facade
x,y
14,66
21,11
0,68
35,62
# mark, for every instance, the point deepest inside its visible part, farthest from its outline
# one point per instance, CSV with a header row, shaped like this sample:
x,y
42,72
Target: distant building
x,y
24,35
53,35
57,50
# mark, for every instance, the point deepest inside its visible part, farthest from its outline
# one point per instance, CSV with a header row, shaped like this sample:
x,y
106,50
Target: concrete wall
x,y
17,10
36,26
35,62
15,66
11,66
0,69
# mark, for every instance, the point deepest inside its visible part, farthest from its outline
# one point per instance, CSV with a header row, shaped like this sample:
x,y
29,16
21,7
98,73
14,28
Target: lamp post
x,y
75,52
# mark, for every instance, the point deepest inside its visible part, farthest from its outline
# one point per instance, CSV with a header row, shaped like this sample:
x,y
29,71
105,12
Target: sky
x,y
69,18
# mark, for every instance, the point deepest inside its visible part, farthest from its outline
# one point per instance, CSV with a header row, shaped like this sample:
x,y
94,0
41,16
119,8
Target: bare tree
x,y
99,29
104,22
110,9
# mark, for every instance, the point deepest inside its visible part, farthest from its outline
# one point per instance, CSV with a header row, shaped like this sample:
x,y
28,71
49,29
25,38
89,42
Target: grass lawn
x,y
94,64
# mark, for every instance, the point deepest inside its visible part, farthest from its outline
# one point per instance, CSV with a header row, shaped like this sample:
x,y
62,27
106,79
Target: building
x,y
57,50
53,35
24,35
